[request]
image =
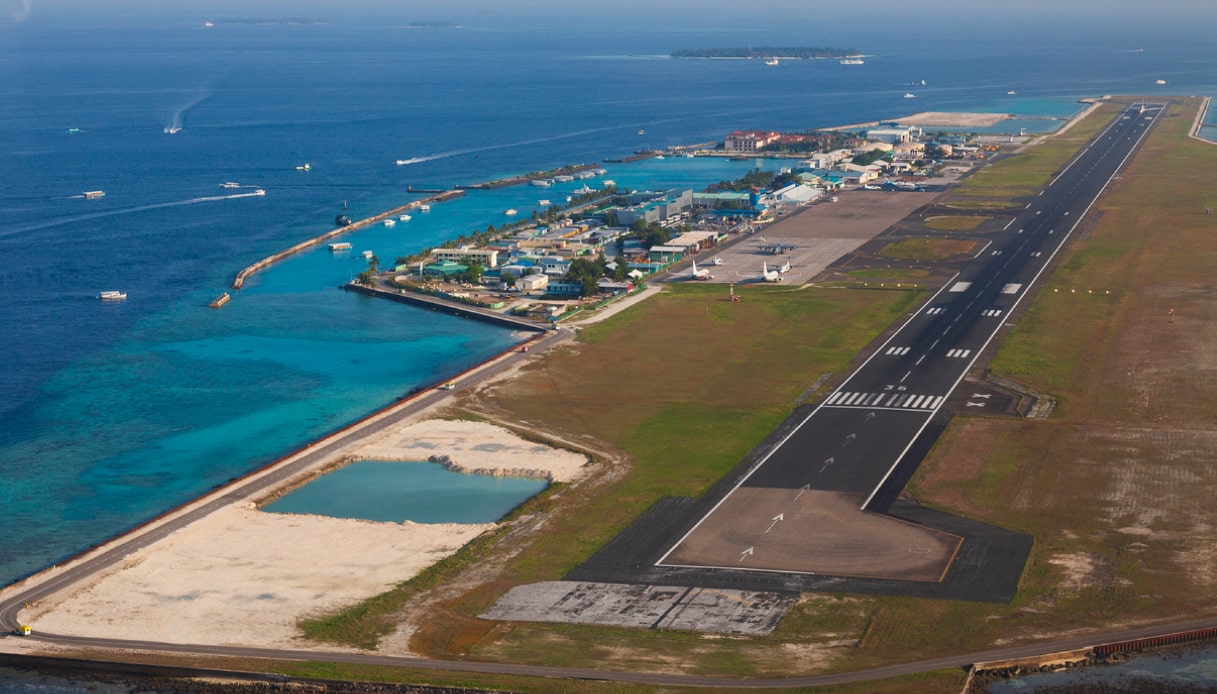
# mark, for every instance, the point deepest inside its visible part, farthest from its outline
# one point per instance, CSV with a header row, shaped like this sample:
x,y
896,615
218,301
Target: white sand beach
x,y
241,576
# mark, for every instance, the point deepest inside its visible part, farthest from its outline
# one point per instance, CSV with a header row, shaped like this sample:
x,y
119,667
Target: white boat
x,y
542,182
390,223
599,172
172,130
305,167
585,175
642,132
853,61
584,190
910,95
608,182
259,192
230,184
403,162
1159,81
659,156
94,194
368,255
343,246
1011,92
405,218
563,178
424,208
112,295
544,203
771,61
510,212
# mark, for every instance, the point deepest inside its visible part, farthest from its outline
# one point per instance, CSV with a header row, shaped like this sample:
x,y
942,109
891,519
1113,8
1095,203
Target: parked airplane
x,y
770,275
785,268
901,185
716,261
702,274
868,186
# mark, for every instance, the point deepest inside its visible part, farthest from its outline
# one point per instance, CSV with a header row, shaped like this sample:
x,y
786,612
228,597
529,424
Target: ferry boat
x,y
94,194
342,246
230,184
220,300
853,61
112,295
390,223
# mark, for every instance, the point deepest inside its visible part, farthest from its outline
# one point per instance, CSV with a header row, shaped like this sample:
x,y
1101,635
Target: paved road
x,y
41,587
853,441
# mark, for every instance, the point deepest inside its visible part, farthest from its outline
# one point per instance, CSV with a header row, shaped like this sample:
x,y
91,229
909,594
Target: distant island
x,y
434,24
267,20
766,52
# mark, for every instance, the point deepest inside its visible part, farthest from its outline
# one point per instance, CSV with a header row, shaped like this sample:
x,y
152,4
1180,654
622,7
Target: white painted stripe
x,y
850,400
960,287
916,401
903,400
833,398
875,400
937,401
1011,288
891,350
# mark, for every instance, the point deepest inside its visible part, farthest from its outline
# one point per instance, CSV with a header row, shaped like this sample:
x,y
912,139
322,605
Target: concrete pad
x,y
644,607
811,531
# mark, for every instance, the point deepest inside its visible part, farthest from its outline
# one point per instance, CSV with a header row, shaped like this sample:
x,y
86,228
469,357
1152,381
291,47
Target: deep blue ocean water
x,y
110,413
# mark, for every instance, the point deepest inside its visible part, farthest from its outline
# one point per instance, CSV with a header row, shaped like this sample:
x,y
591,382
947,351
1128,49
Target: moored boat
x,y
112,295
342,246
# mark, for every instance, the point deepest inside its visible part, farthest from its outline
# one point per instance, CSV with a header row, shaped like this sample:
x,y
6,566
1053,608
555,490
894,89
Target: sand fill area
x,y
244,577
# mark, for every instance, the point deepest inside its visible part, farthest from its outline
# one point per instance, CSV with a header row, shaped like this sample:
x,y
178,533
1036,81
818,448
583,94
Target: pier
x,y
239,281
436,303
528,177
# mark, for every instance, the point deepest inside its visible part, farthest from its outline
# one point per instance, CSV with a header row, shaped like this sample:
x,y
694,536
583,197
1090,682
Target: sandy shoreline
x,y
241,576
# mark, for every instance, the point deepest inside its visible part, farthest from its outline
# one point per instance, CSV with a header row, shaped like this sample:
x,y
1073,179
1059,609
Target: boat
x,y
583,190
74,131
305,167
642,132
585,175
259,192
563,178
368,255
544,203
403,162
853,61
112,295
342,220
1011,92
542,182
771,61
173,130
220,300
390,223
609,183
94,194
230,184
405,218
599,172
910,95
341,246
424,208
510,212
1159,81
208,25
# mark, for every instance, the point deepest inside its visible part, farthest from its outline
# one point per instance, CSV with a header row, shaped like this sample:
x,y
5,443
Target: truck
x,y
23,630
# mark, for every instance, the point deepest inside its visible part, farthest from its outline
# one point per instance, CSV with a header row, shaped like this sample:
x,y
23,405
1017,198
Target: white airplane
x,y
702,274
785,268
716,261
901,185
769,275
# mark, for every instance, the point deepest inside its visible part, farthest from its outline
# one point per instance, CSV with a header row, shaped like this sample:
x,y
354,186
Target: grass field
x,y
954,222
675,391
926,249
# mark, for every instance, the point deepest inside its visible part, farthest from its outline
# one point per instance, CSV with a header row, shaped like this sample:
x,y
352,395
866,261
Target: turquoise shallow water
x,y
418,492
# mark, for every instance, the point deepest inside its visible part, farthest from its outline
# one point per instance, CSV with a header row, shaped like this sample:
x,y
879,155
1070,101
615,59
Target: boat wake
x,y
177,117
60,221
506,145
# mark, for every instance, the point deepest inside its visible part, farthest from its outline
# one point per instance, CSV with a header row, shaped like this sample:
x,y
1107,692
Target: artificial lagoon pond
x,y
419,492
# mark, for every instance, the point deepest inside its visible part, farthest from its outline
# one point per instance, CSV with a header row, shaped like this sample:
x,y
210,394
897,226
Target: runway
x,y
849,447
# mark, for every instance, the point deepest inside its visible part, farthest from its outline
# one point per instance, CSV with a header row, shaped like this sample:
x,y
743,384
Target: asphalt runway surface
x,y
867,437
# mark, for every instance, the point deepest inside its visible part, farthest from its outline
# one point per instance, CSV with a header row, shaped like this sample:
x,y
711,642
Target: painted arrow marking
x,y
802,489
746,553
824,467
776,519
869,416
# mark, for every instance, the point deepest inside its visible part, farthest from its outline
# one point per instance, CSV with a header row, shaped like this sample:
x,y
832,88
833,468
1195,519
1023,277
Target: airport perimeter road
x,y
89,564
850,445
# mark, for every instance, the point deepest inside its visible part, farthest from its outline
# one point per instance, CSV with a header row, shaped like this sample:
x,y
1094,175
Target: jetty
x,y
528,177
266,262
436,303
636,156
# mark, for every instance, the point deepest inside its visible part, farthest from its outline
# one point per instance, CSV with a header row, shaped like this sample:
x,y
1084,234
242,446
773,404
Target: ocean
x,y
113,412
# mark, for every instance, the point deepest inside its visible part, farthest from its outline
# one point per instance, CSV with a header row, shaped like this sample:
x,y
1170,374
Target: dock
x,y
528,177
220,300
435,303
239,281
636,156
